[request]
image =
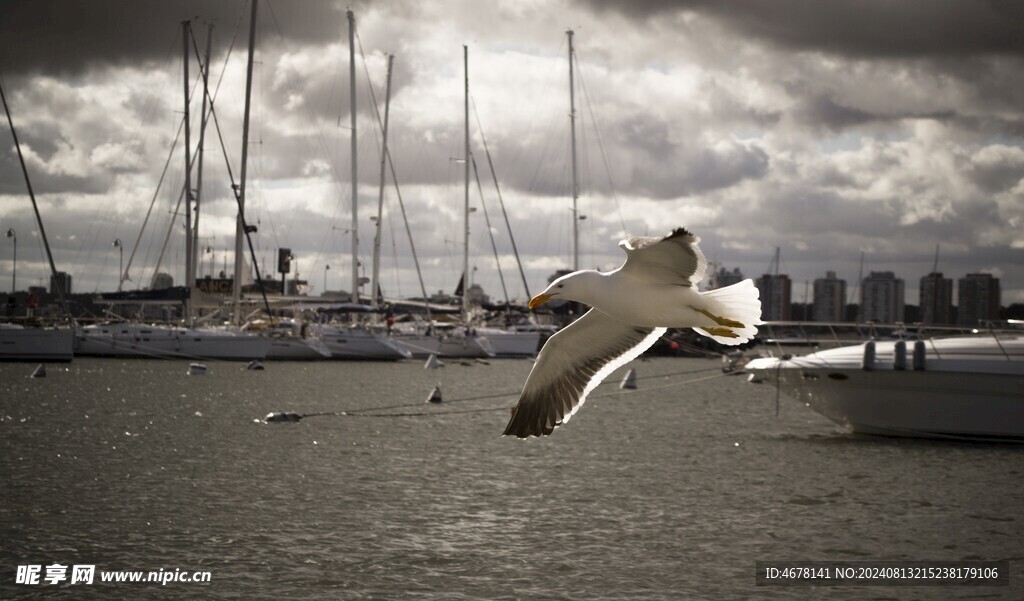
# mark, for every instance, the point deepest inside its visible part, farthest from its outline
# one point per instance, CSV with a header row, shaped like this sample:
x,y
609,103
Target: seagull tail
x,y
739,306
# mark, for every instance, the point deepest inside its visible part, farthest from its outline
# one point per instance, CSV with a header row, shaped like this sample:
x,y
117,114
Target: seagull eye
x,y
561,285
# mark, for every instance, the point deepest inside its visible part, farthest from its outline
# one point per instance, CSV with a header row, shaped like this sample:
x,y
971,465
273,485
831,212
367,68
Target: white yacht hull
x,y
921,404
360,344
144,341
36,344
970,390
510,343
421,345
297,349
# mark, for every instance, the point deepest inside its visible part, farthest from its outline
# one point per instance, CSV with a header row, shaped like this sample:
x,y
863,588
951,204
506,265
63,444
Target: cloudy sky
x,y
826,129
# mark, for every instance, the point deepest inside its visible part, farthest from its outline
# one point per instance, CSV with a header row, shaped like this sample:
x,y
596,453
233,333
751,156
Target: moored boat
x,y
139,340
945,387
20,343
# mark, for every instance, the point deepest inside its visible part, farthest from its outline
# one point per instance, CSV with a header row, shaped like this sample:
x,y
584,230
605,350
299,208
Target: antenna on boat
x,y
935,265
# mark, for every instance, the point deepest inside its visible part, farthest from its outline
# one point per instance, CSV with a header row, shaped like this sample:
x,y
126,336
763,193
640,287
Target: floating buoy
x,y
254,365
196,369
435,395
282,417
40,371
432,362
629,381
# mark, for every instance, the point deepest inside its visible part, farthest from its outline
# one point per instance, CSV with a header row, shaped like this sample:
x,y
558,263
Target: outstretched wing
x,y
571,364
675,259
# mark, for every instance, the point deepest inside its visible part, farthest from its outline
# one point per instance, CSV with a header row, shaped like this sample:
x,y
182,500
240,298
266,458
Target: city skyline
x,y
826,131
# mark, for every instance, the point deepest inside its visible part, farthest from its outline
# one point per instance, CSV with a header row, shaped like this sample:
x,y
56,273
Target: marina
x,y
511,301
673,490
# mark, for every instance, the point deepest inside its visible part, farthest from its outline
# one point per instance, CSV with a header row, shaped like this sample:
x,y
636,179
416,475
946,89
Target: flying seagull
x,y
632,306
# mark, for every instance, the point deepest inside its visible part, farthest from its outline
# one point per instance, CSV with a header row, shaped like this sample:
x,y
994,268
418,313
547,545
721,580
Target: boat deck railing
x,y
818,334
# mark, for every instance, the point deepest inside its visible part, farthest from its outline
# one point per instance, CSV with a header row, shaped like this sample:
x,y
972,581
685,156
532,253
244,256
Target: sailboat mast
x,y
355,183
236,289
35,208
383,172
199,167
189,251
575,177
465,249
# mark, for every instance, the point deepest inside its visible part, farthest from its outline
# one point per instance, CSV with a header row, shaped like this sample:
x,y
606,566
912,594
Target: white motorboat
x,y
18,343
968,387
141,340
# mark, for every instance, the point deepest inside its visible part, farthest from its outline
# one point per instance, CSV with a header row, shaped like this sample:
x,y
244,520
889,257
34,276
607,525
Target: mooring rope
x,y
388,411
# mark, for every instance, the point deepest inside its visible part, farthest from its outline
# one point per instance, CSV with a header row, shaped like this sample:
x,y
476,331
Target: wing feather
x,y
571,364
674,259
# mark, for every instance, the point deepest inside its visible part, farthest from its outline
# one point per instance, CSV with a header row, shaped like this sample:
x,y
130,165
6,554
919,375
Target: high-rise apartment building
x,y
881,298
978,298
936,299
829,298
776,293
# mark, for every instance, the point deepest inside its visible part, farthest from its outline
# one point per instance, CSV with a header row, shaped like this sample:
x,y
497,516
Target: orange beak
x,y
539,300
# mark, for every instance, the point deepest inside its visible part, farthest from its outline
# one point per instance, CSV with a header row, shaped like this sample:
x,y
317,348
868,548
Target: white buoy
x,y
254,365
432,362
40,371
435,395
629,381
196,369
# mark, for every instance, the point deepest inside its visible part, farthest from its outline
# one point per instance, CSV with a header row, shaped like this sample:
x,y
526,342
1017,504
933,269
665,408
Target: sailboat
x,y
133,339
452,340
355,340
18,342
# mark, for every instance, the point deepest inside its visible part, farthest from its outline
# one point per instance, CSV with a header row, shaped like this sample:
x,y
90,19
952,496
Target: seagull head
x,y
574,286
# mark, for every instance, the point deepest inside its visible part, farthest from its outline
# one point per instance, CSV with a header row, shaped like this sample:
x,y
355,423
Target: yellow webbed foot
x,y
722,321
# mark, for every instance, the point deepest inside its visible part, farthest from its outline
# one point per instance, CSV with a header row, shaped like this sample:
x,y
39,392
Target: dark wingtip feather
x,y
530,419
679,231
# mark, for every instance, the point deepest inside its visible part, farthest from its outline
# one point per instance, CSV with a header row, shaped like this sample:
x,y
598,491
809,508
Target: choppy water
x,y
669,492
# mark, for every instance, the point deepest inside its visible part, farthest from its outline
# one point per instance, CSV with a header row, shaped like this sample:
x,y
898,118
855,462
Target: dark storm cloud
x,y
694,167
997,168
67,37
863,28
824,111
12,178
